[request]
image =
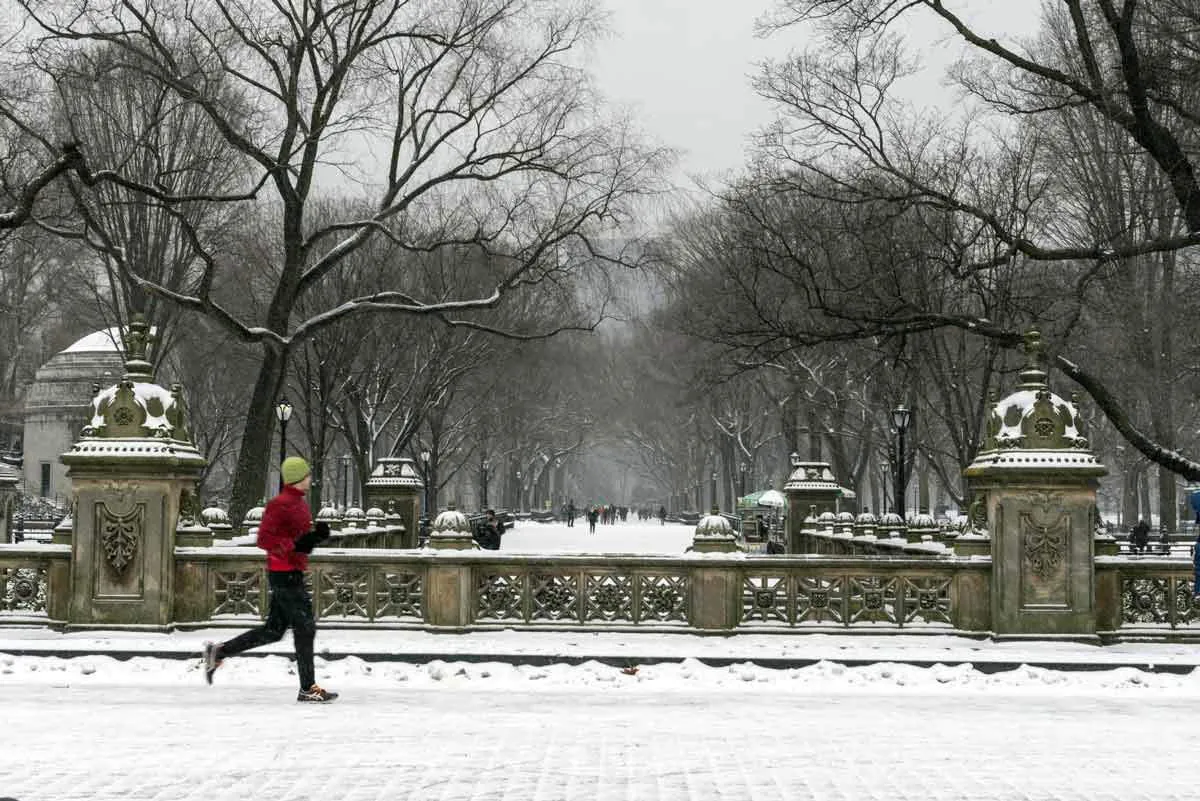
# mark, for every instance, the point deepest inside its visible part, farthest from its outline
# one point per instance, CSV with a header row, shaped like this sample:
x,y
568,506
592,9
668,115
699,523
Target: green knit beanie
x,y
294,470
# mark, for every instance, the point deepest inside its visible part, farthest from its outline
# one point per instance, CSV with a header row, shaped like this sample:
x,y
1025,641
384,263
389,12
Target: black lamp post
x,y
345,482
900,419
425,483
714,489
520,493
283,412
484,465
742,480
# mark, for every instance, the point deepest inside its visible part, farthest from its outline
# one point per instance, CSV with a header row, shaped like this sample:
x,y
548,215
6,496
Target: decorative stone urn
x,y
132,472
395,486
714,534
452,531
217,520
1034,484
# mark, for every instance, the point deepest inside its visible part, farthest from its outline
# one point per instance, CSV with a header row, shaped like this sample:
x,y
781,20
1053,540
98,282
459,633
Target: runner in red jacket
x,y
288,536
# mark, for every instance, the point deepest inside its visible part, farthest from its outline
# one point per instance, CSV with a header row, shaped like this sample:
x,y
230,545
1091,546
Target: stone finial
x,y
137,344
1034,374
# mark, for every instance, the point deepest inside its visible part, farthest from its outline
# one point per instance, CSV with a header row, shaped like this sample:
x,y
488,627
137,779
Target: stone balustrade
x,y
1134,596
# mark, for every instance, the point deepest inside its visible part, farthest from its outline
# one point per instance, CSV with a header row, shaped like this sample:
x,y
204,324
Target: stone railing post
x,y
714,590
448,587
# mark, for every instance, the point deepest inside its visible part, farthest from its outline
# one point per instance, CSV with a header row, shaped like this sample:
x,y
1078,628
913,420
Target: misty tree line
x,y
871,253
874,253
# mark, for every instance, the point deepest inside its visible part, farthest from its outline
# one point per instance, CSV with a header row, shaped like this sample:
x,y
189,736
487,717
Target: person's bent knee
x,y
274,633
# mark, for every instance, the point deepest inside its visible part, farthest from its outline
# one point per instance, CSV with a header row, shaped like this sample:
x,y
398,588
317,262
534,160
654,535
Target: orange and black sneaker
x,y
316,695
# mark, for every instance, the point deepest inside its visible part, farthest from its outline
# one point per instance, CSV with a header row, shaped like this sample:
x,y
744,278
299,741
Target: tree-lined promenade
x,y
420,225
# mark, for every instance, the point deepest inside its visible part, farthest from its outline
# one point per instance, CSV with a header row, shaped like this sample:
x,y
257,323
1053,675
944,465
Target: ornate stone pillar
x,y
1035,484
395,486
810,486
131,473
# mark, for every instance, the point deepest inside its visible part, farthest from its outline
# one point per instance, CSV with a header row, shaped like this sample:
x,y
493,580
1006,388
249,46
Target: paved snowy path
x,y
530,740
631,536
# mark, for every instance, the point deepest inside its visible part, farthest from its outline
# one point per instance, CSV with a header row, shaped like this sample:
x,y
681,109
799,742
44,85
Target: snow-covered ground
x,y
628,537
94,728
447,723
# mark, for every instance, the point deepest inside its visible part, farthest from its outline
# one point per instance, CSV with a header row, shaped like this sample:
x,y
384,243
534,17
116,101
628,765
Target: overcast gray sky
x,y
685,66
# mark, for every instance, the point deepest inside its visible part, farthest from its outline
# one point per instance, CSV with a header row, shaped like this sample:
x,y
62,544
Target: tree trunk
x,y
317,493
256,453
923,486
1168,507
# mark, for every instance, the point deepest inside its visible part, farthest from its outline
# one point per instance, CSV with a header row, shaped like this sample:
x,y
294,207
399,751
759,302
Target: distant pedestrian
x,y
593,515
662,515
489,532
288,536
1139,537
1196,568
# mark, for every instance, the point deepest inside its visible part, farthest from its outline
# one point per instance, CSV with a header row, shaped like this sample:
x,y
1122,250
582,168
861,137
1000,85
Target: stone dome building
x,y
57,407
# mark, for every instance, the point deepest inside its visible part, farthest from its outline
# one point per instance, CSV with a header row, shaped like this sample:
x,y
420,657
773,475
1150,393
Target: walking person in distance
x,y
288,536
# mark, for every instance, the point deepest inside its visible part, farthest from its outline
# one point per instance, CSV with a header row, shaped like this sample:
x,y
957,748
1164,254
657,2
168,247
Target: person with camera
x,y
288,536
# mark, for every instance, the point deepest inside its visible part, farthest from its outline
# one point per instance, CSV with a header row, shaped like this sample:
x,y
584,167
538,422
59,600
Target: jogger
x,y
286,537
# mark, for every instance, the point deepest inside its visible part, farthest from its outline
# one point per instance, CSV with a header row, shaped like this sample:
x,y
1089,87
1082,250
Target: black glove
x,y
321,529
307,541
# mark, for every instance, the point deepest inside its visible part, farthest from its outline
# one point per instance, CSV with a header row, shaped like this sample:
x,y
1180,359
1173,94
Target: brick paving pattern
x,y
195,743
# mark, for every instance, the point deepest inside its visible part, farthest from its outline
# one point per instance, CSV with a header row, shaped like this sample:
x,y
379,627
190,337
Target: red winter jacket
x,y
285,518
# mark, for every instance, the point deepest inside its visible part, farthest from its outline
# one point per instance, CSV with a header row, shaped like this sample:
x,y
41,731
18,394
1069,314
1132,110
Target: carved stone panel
x,y
765,598
608,597
1045,576
120,550
23,589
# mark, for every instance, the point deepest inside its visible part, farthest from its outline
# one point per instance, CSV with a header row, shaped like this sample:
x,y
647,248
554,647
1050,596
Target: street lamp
x,y
900,419
742,480
520,493
714,488
484,465
345,482
425,482
283,412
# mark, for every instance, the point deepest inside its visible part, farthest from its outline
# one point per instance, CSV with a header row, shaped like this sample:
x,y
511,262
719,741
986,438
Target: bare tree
x,y
470,114
976,179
